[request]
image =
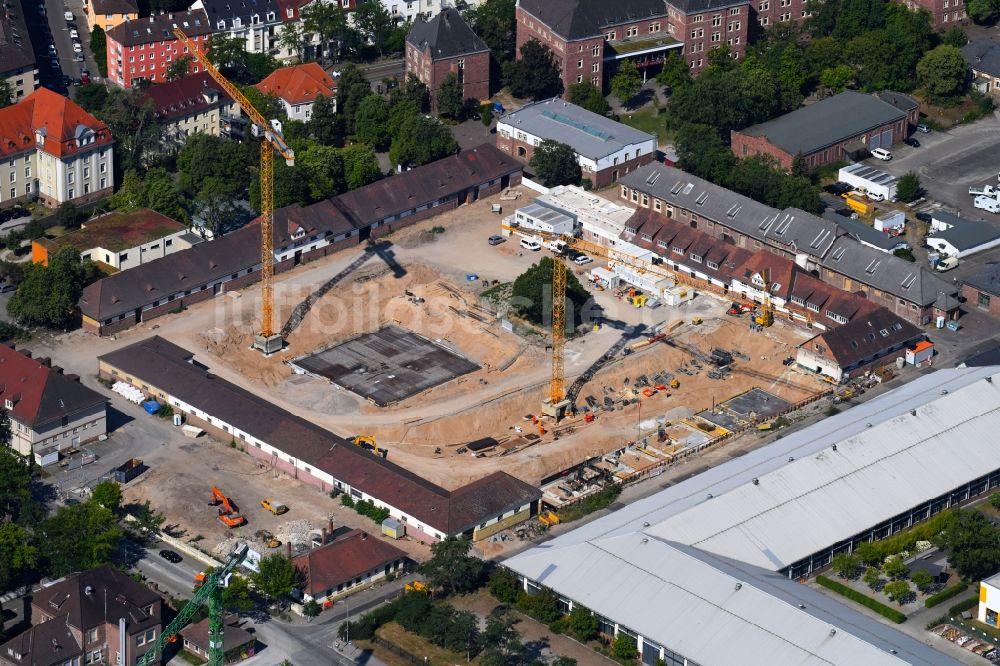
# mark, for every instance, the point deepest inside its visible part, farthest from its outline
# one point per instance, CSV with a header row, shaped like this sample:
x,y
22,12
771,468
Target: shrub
x,y
558,626
880,608
346,500
898,591
922,579
543,605
895,568
963,606
945,594
588,505
995,501
624,648
583,623
503,585
311,608
846,565
872,577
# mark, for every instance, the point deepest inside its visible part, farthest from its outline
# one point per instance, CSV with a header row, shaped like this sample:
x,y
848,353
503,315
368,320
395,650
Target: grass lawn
x,y
415,645
646,119
191,658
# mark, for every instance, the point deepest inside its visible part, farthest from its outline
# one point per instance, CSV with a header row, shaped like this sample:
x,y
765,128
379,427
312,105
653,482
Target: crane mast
x,y
556,405
267,340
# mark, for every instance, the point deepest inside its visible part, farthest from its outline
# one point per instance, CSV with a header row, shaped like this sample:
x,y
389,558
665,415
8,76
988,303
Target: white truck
x,y
557,246
991,204
985,190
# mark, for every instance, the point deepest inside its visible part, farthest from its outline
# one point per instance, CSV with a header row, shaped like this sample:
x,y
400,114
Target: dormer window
x,y
300,233
237,22
221,25
255,19
270,16
8,404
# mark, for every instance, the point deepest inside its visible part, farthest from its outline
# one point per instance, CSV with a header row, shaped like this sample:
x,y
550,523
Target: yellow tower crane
x,y
267,340
556,405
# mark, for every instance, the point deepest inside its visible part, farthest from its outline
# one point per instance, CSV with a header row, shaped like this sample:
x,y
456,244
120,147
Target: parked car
x,y
68,15
924,217
923,129
52,49
881,154
7,286
875,196
494,240
533,244
73,34
582,259
946,264
911,142
84,77
78,57
77,47
170,556
838,188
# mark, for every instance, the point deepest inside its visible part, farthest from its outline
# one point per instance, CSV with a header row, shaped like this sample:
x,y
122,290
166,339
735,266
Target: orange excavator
x,y
229,514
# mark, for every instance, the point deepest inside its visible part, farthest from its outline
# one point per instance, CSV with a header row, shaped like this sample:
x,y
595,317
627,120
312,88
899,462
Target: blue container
x,y
151,406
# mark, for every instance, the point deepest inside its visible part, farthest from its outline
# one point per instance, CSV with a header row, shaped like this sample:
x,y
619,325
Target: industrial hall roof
x,y
770,509
171,369
589,134
987,280
447,35
827,122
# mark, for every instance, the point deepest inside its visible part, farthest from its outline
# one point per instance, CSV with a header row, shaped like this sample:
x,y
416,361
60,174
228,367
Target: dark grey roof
x,y
983,55
590,135
989,354
869,335
792,229
112,595
160,28
966,235
826,122
49,643
15,45
987,280
228,10
898,100
864,233
579,19
447,35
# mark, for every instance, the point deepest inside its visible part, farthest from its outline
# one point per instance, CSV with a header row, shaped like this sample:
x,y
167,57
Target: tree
x,y
983,11
329,22
675,73
215,206
868,553
68,215
702,152
18,555
91,97
236,596
311,609
289,187
399,113
908,187
204,157
973,542
48,294
872,577
583,623
846,565
955,36
179,68
78,537
352,88
898,591
109,495
146,520
412,90
589,96
495,22
161,194
895,568
563,660
324,125
504,585
450,566
277,576
450,97
375,24
904,253
99,48
323,167
876,62
500,637
624,647
292,36
371,122
229,54
132,121
922,579
16,499
360,166
130,195
421,140
535,74
556,163
626,82
836,79
6,93
531,295
943,72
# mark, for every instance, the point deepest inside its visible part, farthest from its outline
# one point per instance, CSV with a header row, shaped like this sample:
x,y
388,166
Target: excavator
x,y
229,514
368,442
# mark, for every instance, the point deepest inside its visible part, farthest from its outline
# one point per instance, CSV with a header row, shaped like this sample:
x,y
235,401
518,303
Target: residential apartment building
x,y
944,13
52,149
189,105
49,411
767,13
815,244
446,45
605,149
17,58
79,620
258,24
106,14
983,56
590,37
143,49
298,87
120,241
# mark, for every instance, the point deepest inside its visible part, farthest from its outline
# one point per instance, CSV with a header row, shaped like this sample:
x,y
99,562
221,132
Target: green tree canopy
x,y
412,90
78,537
627,82
277,576
236,596
923,579
908,187
109,495
897,590
589,96
556,163
99,48
16,499
371,122
421,140
375,23
132,121
531,295
360,166
943,72
450,99
450,566
68,215
973,543
48,294
983,11
204,156
535,75
494,21
323,168
91,97
583,623
674,74
18,556
325,125
352,88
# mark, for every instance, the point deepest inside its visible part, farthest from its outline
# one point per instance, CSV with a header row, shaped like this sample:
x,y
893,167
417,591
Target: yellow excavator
x,y
368,442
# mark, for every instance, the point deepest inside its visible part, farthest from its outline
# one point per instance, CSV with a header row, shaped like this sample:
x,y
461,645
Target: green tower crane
x,y
211,592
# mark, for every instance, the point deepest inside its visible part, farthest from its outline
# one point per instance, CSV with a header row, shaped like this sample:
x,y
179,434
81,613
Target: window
x,y
596,51
834,316
698,19
145,637
735,11
579,78
632,31
983,301
717,20
654,27
92,636
579,64
594,67
711,264
764,6
646,237
696,257
595,80
735,25
657,205
611,35
716,37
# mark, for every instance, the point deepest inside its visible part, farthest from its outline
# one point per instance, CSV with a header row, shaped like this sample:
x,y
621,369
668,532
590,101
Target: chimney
x,y
329,524
364,535
46,361
57,369
289,544
25,352
323,542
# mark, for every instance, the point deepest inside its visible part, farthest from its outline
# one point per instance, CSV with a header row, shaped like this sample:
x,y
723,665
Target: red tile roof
x,y
61,120
344,559
299,84
40,393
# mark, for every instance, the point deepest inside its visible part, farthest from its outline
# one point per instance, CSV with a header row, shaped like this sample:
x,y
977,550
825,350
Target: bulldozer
x,y
267,538
229,514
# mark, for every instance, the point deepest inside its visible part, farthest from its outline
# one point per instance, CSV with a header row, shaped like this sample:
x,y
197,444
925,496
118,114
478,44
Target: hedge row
x,y
963,606
945,594
854,595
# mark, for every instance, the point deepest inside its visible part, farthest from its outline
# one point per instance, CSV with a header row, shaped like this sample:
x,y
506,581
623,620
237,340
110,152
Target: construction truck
x,y
274,506
229,514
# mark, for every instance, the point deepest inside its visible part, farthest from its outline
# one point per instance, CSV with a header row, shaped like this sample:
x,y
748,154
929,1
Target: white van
x,y
533,244
987,203
881,154
946,264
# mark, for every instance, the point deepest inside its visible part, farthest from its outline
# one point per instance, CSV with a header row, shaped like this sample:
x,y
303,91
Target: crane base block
x,y
268,344
555,410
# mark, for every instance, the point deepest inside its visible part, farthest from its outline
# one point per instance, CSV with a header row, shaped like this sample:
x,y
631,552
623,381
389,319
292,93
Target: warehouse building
x,y
703,571
303,450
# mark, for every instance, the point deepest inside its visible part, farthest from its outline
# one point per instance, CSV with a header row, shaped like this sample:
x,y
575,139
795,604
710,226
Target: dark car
x,y
838,188
170,556
910,141
495,240
924,217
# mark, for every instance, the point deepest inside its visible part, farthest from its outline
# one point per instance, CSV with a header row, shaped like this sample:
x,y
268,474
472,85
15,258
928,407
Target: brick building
x,y
767,13
983,56
53,149
982,291
447,45
590,37
143,49
605,149
944,13
347,564
78,619
843,127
